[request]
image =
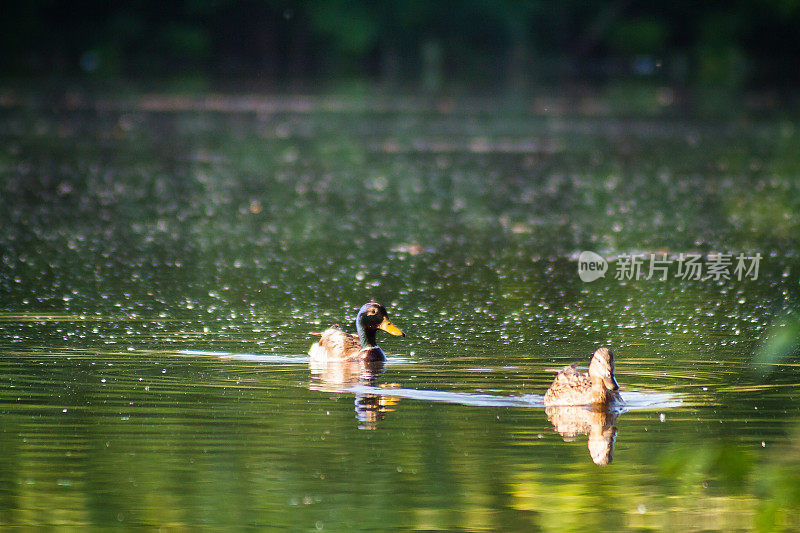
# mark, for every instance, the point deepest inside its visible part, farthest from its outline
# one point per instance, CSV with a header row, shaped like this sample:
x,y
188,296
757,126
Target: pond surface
x,y
164,258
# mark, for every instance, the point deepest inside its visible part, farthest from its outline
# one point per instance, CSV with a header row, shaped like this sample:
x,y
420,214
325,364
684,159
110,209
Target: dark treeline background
x,y
731,44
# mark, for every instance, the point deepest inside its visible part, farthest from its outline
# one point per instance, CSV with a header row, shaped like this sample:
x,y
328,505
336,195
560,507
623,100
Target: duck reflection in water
x,y
596,422
340,376
587,403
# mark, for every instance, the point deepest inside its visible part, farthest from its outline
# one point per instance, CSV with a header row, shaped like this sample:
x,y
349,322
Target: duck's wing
x,y
335,344
570,376
569,387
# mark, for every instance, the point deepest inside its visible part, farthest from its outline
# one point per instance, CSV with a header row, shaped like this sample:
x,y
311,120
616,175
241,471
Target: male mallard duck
x,y
596,387
336,345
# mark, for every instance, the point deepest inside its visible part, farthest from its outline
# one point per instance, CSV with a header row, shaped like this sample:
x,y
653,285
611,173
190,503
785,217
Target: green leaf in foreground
x,y
782,342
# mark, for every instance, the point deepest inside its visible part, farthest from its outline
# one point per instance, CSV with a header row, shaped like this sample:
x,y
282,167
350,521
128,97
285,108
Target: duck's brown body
x,y
335,344
596,387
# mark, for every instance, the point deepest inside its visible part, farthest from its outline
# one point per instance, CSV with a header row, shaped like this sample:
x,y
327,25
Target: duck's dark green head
x,y
372,317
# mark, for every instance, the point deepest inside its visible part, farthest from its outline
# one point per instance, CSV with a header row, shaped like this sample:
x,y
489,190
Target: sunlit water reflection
x,y
161,269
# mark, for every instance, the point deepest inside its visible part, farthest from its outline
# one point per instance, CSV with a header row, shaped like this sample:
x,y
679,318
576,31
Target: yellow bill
x,y
390,328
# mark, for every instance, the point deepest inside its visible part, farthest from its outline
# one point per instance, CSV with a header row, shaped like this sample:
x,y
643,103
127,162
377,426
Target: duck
x,y
598,387
336,345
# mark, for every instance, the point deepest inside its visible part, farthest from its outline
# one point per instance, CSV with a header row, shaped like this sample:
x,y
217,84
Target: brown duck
x,y
598,387
336,345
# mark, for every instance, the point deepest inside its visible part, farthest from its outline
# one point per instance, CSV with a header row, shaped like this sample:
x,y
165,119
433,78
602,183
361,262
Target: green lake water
x,y
163,259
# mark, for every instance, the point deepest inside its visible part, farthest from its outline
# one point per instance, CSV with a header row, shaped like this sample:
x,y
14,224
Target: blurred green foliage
x,y
782,343
638,36
707,44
